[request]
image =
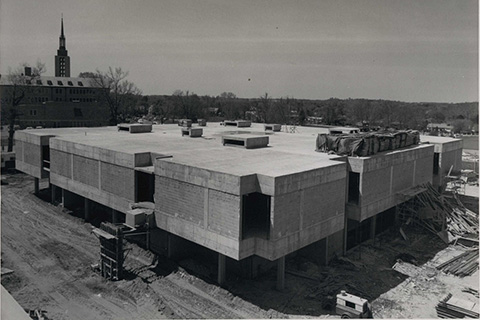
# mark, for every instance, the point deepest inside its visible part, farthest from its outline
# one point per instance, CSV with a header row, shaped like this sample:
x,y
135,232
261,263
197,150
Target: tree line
x,y
126,103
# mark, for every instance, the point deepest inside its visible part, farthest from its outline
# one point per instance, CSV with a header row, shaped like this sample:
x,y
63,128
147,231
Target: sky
x,y
407,50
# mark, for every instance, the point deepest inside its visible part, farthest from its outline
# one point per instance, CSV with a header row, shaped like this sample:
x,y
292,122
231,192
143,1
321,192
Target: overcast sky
x,y
408,50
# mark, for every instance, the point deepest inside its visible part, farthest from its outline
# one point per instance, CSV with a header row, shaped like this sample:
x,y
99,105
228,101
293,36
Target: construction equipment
x,y
350,306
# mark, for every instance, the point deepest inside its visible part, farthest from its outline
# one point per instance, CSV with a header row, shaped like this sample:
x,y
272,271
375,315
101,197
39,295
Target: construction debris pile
x,y
445,216
462,265
453,308
366,144
471,291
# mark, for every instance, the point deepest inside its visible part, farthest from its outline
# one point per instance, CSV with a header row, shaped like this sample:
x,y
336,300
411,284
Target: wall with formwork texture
x,y
449,153
205,207
385,177
199,205
305,208
101,175
28,148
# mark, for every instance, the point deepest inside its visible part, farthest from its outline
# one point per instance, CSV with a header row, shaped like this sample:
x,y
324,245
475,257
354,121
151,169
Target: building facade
x,y
248,209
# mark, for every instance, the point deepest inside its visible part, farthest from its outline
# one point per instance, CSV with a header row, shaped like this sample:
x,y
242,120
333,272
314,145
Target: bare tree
x,y
120,94
187,104
163,108
18,87
264,107
228,106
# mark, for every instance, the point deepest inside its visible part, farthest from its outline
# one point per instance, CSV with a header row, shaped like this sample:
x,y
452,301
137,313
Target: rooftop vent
x,y
273,127
185,123
192,132
135,127
237,123
246,140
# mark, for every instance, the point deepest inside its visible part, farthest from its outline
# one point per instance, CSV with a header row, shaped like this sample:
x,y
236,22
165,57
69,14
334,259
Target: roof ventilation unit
x,y
135,127
249,141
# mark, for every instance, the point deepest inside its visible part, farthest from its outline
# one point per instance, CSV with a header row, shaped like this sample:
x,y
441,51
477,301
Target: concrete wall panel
x,y
197,176
224,213
423,170
450,158
32,154
19,150
375,185
180,199
102,197
310,178
198,234
118,180
403,176
85,170
60,163
34,171
286,214
323,202
87,151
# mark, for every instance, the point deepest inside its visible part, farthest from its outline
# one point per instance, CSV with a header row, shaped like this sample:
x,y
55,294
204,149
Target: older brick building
x,y
60,101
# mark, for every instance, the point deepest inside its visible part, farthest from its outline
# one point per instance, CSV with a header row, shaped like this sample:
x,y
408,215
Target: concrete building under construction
x,y
244,196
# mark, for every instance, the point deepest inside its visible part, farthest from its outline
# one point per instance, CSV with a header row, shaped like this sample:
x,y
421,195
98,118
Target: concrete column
x,y
326,250
221,269
114,216
53,190
87,209
63,197
37,185
373,225
281,273
345,234
169,246
396,216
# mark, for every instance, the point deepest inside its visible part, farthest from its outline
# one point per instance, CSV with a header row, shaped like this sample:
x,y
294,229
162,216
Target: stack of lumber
x,y
462,265
454,308
446,213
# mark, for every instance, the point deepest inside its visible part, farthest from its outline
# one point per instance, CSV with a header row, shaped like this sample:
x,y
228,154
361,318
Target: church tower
x,y
62,60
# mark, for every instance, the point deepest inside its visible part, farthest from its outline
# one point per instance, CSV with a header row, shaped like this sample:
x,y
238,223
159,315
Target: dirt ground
x,y
51,250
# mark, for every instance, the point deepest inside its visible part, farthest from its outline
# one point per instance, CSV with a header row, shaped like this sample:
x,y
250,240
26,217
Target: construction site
x,y
238,220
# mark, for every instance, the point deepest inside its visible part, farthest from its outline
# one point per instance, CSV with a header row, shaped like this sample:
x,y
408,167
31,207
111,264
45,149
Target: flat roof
x,y
286,153
436,139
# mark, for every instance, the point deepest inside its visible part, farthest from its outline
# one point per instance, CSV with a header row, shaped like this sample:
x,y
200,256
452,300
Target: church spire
x,y
62,60
62,37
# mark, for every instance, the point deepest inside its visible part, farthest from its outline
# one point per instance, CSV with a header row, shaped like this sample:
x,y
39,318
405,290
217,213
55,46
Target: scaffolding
x,y
113,246
111,250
